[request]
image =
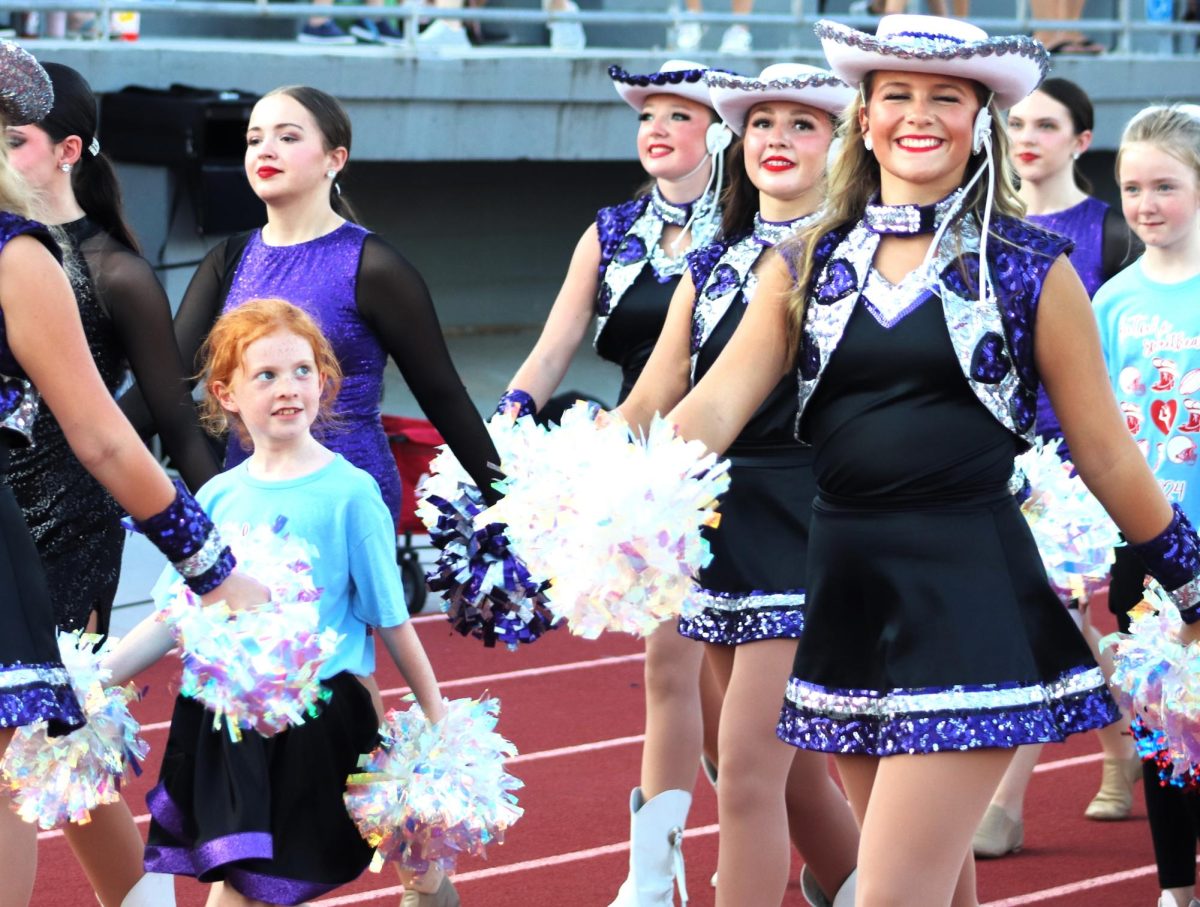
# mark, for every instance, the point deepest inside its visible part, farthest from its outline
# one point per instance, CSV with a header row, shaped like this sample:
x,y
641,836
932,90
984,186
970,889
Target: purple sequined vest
x,y
993,344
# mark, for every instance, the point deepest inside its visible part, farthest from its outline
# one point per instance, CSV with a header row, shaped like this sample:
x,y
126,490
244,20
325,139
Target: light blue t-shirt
x,y
1150,334
339,512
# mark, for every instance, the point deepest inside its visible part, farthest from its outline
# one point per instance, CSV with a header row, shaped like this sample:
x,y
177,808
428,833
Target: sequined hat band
x,y
681,78
734,95
26,94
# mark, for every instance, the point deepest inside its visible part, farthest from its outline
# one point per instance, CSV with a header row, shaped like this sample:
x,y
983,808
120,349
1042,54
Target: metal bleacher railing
x,y
1129,19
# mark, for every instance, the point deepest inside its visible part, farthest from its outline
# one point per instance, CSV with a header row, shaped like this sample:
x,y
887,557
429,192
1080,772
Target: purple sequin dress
x,y
34,685
1084,225
320,276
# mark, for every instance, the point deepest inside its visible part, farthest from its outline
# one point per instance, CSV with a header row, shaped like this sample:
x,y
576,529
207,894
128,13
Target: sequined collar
x,y
669,212
771,233
910,220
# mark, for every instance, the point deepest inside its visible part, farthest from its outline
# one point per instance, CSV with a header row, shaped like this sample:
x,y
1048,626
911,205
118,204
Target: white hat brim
x,y
734,95
1011,66
634,89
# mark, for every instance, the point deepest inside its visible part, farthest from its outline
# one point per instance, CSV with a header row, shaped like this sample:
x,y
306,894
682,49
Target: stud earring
x,y
330,173
1075,156
64,167
868,142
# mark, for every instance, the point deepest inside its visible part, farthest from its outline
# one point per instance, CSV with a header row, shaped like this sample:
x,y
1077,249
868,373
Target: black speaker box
x,y
176,125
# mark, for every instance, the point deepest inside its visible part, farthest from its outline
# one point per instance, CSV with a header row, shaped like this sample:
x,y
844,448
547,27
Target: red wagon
x,y
414,443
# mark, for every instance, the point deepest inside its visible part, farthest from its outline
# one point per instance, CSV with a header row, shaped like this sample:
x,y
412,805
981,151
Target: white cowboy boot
x,y
154,889
845,894
655,850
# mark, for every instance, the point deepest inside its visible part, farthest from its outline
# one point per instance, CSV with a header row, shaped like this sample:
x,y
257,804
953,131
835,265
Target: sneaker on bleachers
x,y
365,30
567,36
736,40
388,32
688,36
328,32
443,36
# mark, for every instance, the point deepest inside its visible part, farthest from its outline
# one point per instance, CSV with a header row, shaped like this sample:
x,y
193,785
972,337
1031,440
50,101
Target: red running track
x,y
574,709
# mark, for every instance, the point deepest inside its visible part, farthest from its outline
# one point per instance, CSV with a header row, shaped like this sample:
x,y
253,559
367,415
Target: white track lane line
x,y
493,871
492,678
1061,891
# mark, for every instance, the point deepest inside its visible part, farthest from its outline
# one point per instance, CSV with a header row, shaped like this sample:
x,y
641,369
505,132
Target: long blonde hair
x,y
853,180
15,195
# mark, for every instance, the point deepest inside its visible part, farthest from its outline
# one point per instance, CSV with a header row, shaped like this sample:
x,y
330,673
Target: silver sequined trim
x,y
668,211
202,560
648,228
744,83
750,601
24,677
904,703
906,219
22,416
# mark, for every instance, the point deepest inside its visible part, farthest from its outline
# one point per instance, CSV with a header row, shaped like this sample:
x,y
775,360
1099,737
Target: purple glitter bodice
x,y
321,277
1084,224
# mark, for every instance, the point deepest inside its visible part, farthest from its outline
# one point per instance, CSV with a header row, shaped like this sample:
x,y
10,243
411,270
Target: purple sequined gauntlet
x,y
521,400
1173,558
184,533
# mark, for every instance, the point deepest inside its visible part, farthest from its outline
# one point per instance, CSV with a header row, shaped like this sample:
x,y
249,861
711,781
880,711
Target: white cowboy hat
x,y
734,95
26,95
678,77
1010,66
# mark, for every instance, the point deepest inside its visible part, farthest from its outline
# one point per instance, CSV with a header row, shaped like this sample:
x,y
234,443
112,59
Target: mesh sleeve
x,y
394,301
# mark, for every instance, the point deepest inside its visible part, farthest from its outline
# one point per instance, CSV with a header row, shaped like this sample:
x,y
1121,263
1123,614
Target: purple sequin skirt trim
x,y
733,618
188,859
32,693
892,722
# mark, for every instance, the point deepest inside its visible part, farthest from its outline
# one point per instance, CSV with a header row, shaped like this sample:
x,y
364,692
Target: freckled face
x,y
670,138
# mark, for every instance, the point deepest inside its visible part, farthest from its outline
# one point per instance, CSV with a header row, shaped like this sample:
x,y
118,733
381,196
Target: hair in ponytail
x,y
93,179
333,121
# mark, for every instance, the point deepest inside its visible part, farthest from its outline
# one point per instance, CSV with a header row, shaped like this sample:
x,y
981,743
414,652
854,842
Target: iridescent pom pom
x,y
255,669
1074,534
53,780
487,590
614,521
1156,678
432,793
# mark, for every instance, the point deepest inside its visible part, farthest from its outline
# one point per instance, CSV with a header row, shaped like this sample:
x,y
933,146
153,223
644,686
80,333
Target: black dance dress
x,y
34,685
74,520
931,625
754,586
638,278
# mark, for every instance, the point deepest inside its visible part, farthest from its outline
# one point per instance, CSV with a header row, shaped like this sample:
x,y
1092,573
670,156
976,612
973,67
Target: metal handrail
x,y
1124,26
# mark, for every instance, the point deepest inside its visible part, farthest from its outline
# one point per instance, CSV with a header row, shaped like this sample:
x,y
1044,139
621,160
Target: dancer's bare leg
x,y
918,815
756,767
18,848
109,849
674,733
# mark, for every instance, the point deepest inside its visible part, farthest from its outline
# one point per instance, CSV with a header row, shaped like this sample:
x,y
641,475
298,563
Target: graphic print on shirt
x,y
1158,396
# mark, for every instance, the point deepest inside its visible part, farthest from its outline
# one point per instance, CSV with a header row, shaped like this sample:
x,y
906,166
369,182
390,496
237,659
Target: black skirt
x,y
754,587
34,685
265,814
935,629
